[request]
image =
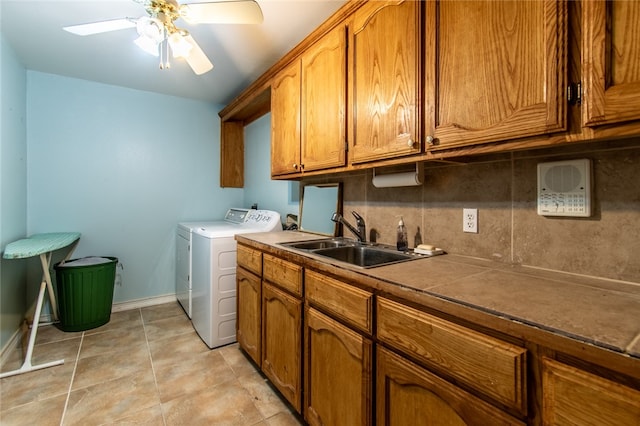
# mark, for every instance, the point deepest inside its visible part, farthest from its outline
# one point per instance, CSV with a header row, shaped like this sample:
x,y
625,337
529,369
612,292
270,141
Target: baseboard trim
x,y
143,303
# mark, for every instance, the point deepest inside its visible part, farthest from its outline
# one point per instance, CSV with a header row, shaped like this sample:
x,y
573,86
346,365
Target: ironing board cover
x,y
38,244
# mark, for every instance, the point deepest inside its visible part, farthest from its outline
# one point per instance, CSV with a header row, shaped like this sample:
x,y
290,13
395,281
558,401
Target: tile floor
x,y
145,367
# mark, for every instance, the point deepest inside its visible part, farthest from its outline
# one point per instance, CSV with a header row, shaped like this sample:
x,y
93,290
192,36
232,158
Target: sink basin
x,y
320,244
365,256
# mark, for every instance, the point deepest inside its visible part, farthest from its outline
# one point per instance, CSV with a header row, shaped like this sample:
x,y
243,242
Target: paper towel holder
x,y
397,179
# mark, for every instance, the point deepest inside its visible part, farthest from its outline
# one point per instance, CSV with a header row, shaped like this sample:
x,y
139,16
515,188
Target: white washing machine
x,y
183,263
213,271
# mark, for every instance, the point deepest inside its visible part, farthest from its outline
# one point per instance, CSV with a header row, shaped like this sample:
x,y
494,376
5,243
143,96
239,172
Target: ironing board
x,y
42,245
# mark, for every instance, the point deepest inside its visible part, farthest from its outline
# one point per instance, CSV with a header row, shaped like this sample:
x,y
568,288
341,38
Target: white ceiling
x,y
240,53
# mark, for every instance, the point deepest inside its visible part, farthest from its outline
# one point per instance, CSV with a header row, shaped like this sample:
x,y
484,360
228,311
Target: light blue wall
x,y
122,167
280,196
13,188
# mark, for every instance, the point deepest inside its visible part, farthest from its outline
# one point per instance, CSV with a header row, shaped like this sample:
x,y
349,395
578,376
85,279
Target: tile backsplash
x,y
503,189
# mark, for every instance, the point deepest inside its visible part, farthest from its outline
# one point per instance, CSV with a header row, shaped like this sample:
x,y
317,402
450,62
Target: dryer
x,y
212,301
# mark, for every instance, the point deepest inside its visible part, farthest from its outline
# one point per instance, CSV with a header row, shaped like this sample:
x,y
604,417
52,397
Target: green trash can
x,y
85,292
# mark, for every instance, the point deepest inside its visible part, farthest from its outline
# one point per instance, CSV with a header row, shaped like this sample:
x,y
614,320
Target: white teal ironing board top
x,y
38,244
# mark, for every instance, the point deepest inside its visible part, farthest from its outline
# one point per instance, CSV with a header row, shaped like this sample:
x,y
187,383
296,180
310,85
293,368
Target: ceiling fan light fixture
x,y
152,28
148,45
180,47
151,32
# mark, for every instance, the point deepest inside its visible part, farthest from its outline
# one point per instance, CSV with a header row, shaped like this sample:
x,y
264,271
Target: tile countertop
x,y
602,313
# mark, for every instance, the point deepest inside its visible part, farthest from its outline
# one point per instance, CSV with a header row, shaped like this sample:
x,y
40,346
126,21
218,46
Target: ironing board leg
x,y
26,366
45,259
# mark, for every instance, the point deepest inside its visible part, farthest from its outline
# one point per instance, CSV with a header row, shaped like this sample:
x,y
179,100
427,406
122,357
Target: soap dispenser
x,y
401,242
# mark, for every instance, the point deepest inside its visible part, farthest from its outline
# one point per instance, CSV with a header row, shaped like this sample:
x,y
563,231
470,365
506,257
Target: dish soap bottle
x,y
401,242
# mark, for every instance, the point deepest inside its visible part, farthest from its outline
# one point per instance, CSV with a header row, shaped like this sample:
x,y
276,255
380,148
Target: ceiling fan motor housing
x,y
166,11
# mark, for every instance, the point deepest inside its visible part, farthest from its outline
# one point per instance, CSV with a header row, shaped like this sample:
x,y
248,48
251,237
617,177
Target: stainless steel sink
x,y
320,244
364,255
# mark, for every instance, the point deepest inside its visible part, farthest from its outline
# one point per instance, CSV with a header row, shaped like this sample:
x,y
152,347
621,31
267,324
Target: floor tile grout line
x,y
73,375
153,370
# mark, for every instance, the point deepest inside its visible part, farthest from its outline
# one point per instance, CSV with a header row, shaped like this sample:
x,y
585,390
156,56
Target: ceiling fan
x,y
158,31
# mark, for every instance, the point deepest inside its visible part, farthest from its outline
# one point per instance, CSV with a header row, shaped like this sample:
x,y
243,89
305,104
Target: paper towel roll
x,y
396,179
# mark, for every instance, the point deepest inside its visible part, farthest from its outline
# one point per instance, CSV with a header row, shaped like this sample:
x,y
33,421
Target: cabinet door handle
x,y
295,166
410,143
429,140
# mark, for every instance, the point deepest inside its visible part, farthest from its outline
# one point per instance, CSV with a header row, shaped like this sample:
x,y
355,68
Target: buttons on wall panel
x,y
564,188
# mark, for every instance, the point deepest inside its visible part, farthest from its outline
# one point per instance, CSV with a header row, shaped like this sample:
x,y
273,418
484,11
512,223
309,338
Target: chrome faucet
x,y
360,233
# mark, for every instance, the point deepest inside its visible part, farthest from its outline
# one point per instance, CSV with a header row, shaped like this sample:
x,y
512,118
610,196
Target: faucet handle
x,y
359,218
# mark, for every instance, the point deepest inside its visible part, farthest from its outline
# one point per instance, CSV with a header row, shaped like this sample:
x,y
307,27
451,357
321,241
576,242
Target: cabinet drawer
x,y
346,302
570,395
489,365
250,259
283,274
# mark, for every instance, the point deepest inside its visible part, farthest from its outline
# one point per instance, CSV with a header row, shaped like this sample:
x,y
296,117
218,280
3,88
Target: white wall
x,y
280,196
122,167
13,188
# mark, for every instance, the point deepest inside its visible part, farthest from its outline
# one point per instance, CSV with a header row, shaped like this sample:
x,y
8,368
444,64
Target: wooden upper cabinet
x,y
610,61
494,70
324,91
285,121
385,80
308,109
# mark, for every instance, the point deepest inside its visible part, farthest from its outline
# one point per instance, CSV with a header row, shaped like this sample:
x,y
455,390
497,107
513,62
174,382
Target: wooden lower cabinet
x,y
488,365
407,394
249,320
282,342
575,397
337,373
312,334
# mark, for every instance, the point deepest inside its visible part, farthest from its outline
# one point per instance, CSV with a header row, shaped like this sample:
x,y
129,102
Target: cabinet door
x,y
494,70
324,82
610,61
282,342
337,373
407,394
285,121
572,396
385,83
249,313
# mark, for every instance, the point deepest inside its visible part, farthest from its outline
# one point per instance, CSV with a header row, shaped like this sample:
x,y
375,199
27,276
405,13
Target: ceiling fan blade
x,y
222,12
101,27
197,60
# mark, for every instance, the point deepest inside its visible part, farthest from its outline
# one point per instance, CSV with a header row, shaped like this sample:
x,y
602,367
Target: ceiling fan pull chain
x,y
166,52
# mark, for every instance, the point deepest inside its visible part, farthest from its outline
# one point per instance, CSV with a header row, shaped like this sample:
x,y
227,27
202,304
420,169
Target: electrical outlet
x,y
470,220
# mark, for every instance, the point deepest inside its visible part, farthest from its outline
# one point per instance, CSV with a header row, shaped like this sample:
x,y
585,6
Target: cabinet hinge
x,y
574,93
346,146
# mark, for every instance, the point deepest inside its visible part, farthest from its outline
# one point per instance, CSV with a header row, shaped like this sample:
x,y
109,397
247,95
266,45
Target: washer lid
x,y
191,226
216,229
255,221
